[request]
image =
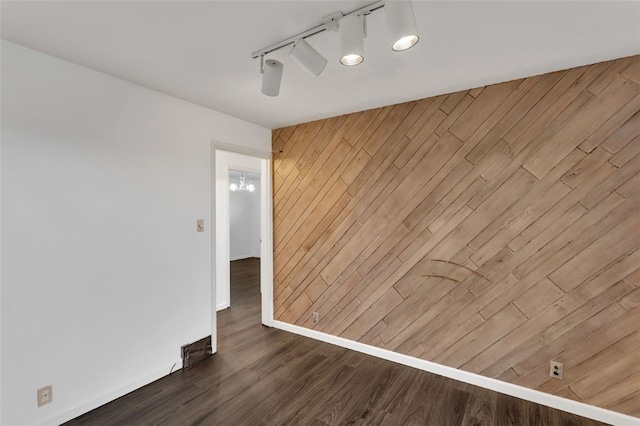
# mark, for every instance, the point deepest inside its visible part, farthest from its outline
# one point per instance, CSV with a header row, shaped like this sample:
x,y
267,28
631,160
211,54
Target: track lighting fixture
x,y
401,24
351,40
271,76
308,57
352,30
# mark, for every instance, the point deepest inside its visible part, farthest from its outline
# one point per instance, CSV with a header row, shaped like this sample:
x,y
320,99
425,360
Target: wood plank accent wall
x,y
491,230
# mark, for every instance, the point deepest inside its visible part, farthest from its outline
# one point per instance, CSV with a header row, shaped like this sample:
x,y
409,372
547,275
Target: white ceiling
x,y
200,51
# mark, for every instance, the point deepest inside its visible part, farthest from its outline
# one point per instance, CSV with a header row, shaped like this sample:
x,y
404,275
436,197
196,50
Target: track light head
x,y
351,40
352,31
402,24
308,57
272,76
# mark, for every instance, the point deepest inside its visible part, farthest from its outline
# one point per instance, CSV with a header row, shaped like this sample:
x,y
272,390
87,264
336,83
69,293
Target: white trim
x,y
242,256
1,222
245,256
240,149
108,396
213,232
553,401
220,219
266,245
220,245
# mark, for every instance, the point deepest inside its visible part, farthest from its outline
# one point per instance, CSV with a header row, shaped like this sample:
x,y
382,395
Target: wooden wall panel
x,y
491,230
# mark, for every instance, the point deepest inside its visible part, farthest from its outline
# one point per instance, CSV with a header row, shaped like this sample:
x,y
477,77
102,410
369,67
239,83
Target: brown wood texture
x,y
491,230
195,352
264,376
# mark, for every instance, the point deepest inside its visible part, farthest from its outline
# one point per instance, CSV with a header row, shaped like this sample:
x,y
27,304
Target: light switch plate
x,y
200,225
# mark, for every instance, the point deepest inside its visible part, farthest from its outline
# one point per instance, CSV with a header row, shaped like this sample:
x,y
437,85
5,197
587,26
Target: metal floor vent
x,y
193,353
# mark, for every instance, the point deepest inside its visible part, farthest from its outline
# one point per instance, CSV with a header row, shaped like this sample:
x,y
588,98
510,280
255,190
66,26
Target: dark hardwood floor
x,y
267,376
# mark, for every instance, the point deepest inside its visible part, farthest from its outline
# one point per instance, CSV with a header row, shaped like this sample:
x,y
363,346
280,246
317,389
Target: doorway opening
x,y
227,165
244,235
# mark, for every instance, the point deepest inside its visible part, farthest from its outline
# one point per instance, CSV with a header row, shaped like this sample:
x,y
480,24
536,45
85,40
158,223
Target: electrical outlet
x,y
556,369
45,395
316,317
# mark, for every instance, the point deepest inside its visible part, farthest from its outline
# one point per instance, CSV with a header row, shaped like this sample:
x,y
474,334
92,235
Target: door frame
x,y
220,227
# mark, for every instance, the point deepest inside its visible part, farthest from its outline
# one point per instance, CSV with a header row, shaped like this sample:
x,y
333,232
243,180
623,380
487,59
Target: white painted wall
x,y
103,275
244,221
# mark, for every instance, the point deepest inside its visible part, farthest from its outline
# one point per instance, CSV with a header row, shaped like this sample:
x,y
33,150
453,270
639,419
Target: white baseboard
x,y
110,395
553,401
247,256
239,257
222,306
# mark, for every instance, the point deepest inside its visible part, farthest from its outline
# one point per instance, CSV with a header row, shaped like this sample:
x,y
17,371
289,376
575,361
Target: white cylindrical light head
x,y
272,77
351,40
308,57
402,24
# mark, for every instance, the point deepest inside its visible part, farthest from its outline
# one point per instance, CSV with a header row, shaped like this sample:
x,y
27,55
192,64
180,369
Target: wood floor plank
x,y
613,69
617,131
481,108
504,118
617,241
585,122
627,171
453,116
552,112
498,326
625,367
602,346
534,353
